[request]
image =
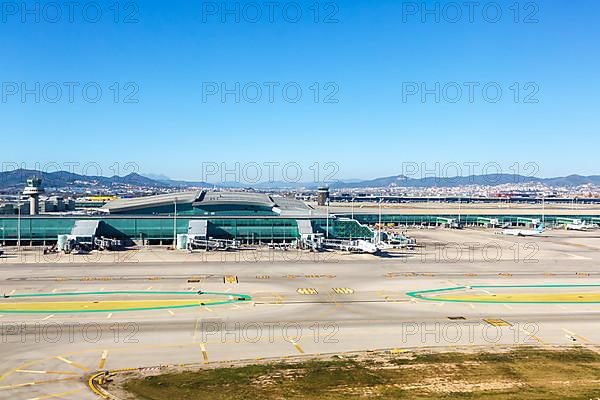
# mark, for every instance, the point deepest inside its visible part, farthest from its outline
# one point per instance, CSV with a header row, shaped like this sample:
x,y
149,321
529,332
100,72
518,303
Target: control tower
x,y
33,190
322,195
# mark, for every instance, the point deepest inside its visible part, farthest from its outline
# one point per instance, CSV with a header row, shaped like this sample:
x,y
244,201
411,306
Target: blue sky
x,y
366,57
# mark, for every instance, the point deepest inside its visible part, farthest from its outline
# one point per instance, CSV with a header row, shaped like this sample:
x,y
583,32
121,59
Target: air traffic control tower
x,y
33,190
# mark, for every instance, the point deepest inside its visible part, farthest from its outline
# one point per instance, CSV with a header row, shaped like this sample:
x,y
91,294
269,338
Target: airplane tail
x,y
541,228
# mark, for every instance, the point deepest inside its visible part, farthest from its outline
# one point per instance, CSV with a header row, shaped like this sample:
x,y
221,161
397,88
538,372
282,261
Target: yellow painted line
x,y
171,312
54,290
54,395
507,306
526,297
204,353
91,305
103,359
81,367
109,316
20,385
576,336
208,309
28,371
149,288
47,317
297,346
531,335
343,290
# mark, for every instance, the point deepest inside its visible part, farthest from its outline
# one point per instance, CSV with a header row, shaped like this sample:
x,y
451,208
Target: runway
x,y
293,308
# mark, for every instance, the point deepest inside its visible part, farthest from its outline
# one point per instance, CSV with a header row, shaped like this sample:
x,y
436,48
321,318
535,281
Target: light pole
x,y
327,221
18,226
175,223
379,234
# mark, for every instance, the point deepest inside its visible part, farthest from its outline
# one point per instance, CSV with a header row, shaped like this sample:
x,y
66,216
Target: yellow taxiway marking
x,y
204,353
47,317
171,312
397,351
568,332
297,346
26,384
91,305
343,290
103,359
28,371
109,316
81,367
307,291
54,395
531,335
526,297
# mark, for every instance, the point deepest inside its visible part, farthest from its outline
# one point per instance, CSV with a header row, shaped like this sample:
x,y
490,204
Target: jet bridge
x,y
85,236
197,238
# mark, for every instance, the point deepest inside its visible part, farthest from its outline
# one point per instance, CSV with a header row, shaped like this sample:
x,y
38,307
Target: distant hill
x,y
16,179
482,180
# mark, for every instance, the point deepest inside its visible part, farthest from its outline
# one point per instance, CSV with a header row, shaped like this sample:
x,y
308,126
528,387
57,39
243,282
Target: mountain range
x,y
16,179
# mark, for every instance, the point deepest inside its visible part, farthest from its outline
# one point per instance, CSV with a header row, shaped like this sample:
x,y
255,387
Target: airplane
x,y
525,232
578,227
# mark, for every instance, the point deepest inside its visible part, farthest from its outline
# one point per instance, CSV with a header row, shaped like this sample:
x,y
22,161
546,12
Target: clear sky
x,y
370,61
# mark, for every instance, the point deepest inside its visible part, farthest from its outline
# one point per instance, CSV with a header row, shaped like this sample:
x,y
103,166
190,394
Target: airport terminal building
x,y
244,216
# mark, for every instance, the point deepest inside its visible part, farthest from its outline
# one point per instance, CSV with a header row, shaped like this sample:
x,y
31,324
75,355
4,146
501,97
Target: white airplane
x,y
525,232
578,227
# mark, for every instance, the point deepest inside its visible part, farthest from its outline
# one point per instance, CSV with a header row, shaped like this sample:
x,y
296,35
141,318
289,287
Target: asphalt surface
x,y
336,303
